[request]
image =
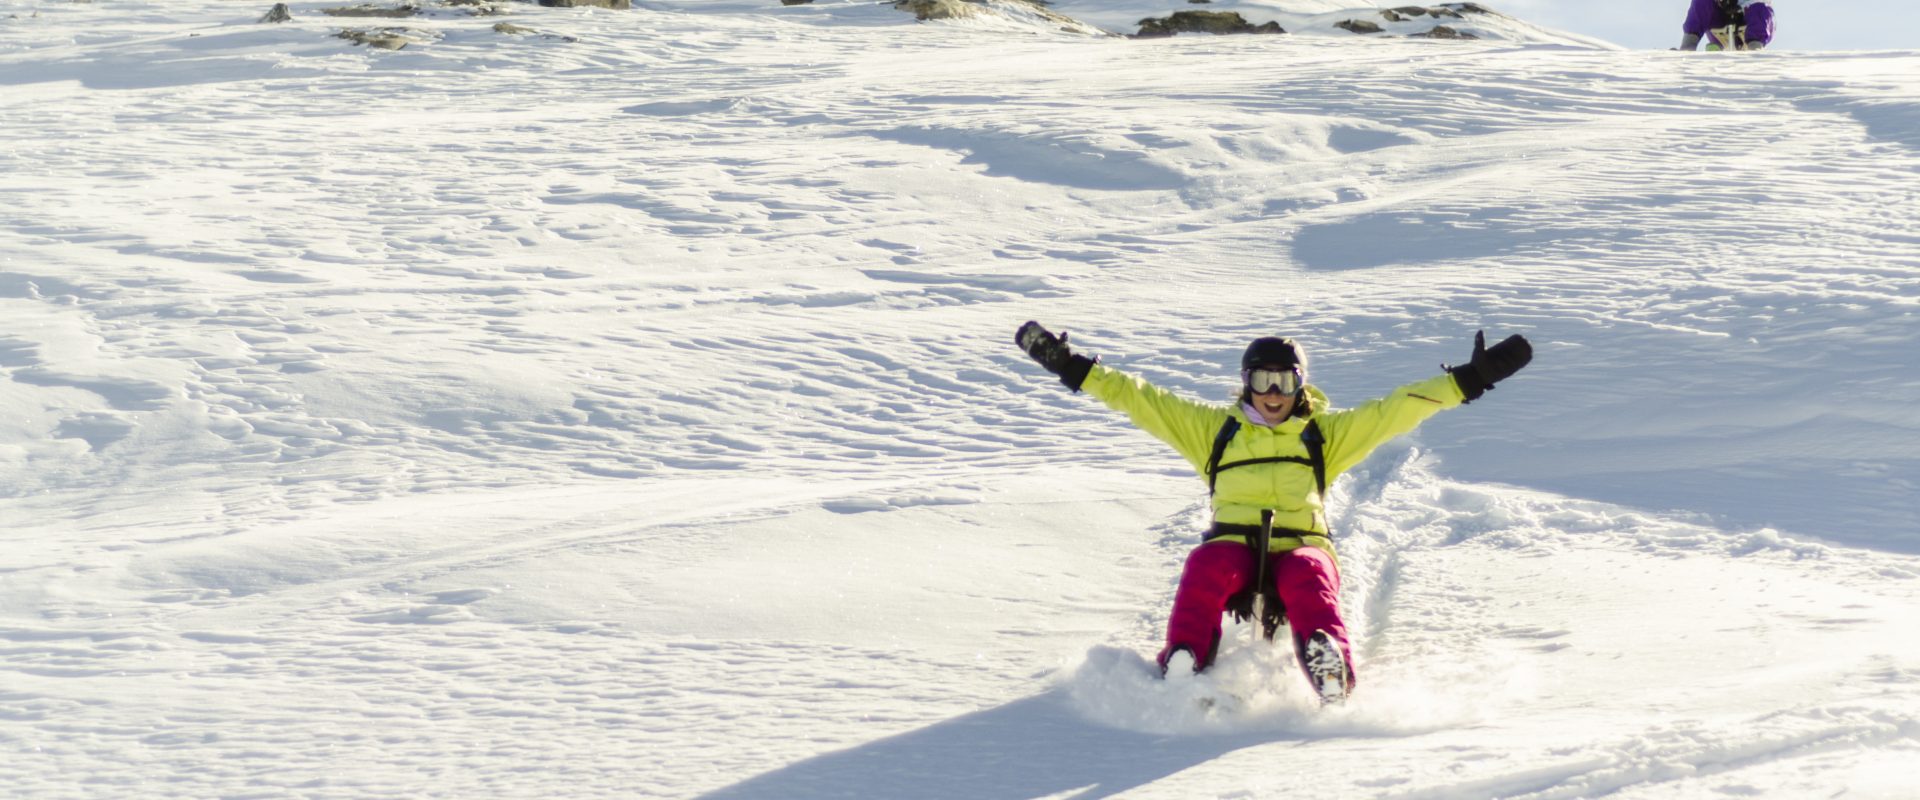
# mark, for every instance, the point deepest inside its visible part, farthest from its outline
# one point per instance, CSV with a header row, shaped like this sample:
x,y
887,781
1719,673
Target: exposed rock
x,y
1411,11
1217,22
924,10
1389,15
795,2
370,10
617,5
382,38
1200,2
511,29
1023,11
1472,8
278,13
1445,12
1358,26
1442,32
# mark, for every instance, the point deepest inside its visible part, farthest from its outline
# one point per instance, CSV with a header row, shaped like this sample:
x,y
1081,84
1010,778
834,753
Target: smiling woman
x,y
1279,448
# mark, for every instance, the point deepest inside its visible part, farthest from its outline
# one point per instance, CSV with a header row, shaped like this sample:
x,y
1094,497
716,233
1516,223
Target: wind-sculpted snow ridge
x,y
262,342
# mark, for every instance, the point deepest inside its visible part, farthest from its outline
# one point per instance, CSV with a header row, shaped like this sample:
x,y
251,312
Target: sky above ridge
x,y
1802,24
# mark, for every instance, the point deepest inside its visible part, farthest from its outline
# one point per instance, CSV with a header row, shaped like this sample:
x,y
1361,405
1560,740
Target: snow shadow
x,y
152,70
1058,160
1886,119
1379,240
1035,747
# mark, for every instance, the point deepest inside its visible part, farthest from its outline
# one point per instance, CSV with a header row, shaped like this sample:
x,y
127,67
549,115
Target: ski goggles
x,y
1267,381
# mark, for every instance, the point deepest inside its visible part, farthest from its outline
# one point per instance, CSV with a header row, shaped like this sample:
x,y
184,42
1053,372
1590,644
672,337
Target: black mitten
x,y
1052,352
1491,365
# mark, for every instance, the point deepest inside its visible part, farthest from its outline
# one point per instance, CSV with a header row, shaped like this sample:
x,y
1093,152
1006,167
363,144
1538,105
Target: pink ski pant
x,y
1307,580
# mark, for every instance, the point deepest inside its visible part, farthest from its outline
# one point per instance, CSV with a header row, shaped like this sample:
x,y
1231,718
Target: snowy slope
x,y
1324,17
628,408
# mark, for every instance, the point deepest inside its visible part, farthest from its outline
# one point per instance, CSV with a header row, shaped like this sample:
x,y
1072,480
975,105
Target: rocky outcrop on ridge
x,y
371,10
1405,14
1033,12
385,38
1342,19
1215,22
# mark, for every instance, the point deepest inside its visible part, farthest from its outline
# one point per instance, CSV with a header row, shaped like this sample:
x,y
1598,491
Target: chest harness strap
x,y
1272,614
1310,436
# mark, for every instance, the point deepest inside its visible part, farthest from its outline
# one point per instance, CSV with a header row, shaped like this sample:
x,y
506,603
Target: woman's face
x,y
1276,404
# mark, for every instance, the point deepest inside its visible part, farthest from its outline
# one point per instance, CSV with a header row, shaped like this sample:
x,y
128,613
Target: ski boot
x,y
1326,668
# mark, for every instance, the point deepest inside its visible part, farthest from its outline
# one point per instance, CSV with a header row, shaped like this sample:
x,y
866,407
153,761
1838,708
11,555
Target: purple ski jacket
x,y
1704,19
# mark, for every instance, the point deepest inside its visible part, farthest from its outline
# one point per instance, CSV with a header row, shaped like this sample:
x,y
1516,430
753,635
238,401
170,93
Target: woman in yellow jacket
x,y
1269,457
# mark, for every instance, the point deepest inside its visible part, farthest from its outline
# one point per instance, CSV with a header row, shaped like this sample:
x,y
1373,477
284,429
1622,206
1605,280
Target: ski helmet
x,y
1273,351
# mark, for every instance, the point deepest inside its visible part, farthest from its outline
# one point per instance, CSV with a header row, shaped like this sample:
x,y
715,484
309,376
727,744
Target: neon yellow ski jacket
x,y
1190,426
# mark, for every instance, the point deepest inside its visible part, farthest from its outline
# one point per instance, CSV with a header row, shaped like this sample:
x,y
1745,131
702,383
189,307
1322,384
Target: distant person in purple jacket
x,y
1728,24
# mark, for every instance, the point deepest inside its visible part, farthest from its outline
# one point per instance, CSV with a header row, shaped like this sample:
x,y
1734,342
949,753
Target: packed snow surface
x,y
626,406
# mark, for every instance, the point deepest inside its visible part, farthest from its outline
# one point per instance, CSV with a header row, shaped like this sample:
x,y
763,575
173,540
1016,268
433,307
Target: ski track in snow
x,y
506,413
